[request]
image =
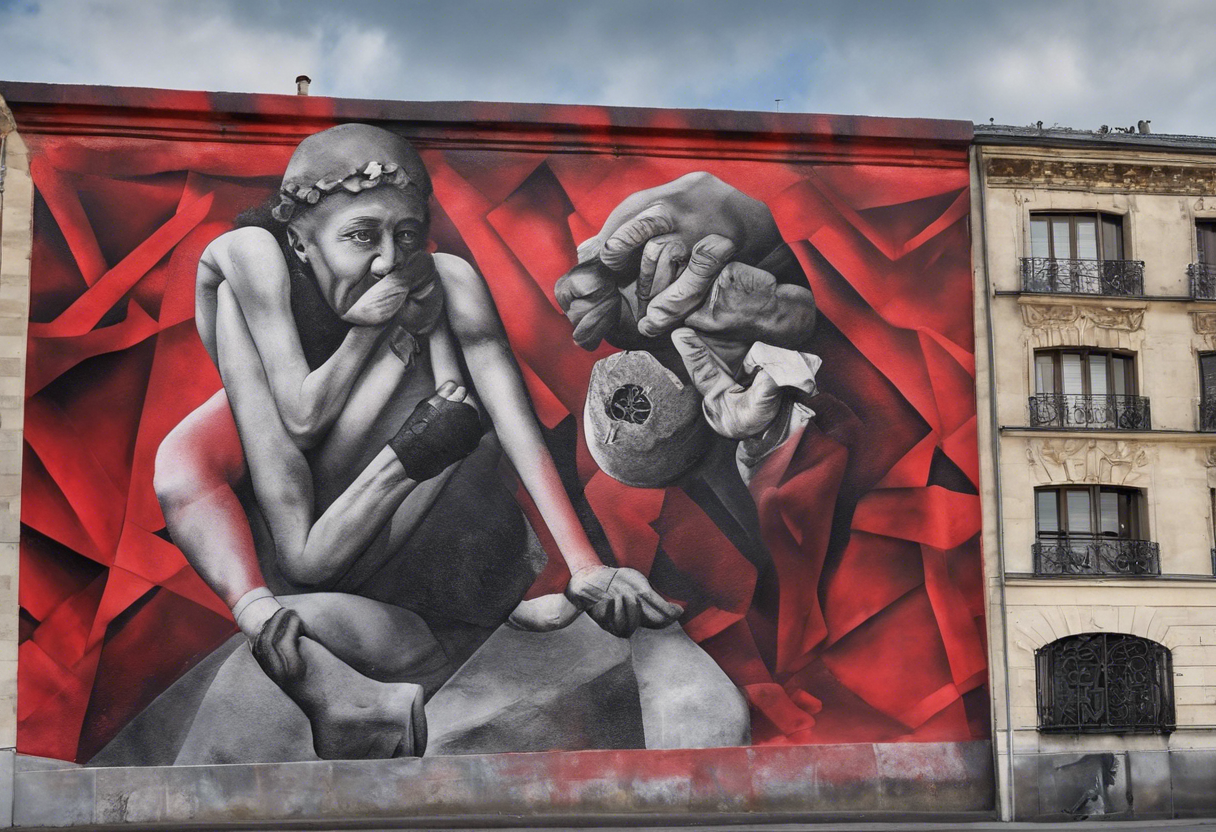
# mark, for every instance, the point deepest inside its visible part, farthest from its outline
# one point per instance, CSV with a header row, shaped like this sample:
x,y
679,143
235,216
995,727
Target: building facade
x,y
964,568
1097,327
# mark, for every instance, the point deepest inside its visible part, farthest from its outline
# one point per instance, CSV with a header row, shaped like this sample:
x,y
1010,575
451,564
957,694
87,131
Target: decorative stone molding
x,y
1104,461
1191,180
1055,324
1126,319
1033,627
1204,323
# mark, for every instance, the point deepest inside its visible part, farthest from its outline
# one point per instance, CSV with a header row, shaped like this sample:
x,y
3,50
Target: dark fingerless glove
x,y
435,436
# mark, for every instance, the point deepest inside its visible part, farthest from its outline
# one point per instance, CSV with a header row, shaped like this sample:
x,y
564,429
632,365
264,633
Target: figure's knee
x,y
177,477
201,453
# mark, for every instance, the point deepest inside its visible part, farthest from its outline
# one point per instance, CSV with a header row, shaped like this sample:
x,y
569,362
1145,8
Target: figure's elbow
x,y
305,571
304,429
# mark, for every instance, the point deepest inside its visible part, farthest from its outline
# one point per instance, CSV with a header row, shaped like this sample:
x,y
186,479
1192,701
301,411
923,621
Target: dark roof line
x,y
1055,136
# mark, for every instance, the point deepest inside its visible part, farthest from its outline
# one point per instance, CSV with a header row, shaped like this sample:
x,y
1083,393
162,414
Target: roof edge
x,y
558,117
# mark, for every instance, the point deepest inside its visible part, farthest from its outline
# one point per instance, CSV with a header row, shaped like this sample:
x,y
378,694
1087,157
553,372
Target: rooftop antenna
x,y
302,82
778,102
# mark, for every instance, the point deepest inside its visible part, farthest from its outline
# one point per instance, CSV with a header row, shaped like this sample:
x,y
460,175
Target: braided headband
x,y
353,157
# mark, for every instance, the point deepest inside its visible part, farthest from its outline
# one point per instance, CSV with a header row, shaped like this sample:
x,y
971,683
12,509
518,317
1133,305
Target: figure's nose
x,y
387,258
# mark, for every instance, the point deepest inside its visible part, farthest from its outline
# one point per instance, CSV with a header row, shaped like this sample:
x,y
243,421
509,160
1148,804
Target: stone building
x,y
1093,257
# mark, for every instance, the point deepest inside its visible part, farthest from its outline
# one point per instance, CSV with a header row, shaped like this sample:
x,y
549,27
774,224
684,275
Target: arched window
x,y
1105,683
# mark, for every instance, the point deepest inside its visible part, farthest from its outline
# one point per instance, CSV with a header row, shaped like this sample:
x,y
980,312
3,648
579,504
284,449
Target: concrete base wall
x,y
1115,785
821,782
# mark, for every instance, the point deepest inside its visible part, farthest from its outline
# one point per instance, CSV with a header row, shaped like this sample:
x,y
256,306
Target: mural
x,y
347,449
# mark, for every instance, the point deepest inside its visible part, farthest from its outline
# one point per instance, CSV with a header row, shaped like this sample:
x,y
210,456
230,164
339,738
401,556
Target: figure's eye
x,y
363,235
408,238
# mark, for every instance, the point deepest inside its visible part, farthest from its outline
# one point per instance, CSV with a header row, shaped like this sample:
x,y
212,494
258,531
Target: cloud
x,y
1079,64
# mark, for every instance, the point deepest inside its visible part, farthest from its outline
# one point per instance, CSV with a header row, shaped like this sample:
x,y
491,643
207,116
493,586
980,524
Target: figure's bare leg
x,y
197,467
352,716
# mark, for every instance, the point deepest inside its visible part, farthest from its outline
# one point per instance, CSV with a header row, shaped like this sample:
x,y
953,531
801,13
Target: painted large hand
x,y
733,410
672,240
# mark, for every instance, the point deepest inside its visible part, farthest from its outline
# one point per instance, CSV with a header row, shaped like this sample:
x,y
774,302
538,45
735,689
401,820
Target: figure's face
x,y
351,241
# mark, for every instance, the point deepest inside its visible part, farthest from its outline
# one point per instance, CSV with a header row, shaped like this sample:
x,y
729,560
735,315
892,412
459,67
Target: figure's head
x,y
355,202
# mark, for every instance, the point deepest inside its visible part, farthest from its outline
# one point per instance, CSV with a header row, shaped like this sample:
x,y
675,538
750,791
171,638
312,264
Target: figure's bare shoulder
x,y
470,307
456,271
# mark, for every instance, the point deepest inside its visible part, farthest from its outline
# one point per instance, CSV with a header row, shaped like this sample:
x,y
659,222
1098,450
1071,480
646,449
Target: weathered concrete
x,y
1145,785
797,781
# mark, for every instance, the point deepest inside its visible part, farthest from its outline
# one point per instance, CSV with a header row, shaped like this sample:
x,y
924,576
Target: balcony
x,y
1203,280
1073,412
1092,555
1121,278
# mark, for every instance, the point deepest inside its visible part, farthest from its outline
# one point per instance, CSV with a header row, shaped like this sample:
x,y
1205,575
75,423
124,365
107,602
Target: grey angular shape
x,y
155,736
687,700
245,718
569,689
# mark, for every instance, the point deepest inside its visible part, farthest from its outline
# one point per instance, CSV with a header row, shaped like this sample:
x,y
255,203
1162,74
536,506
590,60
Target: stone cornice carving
x,y
1123,176
1204,323
1104,461
1057,316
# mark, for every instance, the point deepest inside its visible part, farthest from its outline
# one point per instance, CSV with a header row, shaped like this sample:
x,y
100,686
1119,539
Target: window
x,y
1080,253
1207,391
1212,494
1092,530
1105,683
1203,272
1088,510
1205,241
1082,388
1076,236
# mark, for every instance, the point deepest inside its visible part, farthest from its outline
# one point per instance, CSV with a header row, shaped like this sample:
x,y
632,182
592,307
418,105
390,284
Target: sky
x,y
1077,64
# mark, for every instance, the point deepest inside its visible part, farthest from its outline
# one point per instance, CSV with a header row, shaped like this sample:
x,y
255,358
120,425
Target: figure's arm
x,y
618,599
479,333
251,262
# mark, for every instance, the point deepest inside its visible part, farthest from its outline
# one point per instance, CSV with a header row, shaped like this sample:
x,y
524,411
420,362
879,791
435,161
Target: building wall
x,y
844,628
1160,195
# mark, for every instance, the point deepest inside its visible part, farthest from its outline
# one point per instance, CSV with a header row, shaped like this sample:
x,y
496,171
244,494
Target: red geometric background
x,y
868,625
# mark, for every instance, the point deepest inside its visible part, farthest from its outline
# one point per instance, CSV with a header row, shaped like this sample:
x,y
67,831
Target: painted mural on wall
x,y
349,449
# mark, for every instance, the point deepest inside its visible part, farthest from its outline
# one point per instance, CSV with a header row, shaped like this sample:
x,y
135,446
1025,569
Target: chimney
x,y
1142,125
302,82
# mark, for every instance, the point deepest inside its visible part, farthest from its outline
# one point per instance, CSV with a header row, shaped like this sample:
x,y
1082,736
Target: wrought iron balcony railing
x,y
1203,280
1092,555
1124,278
1207,414
1065,410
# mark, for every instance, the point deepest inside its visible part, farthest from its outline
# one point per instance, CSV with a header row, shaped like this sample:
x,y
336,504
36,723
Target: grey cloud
x,y
1080,64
